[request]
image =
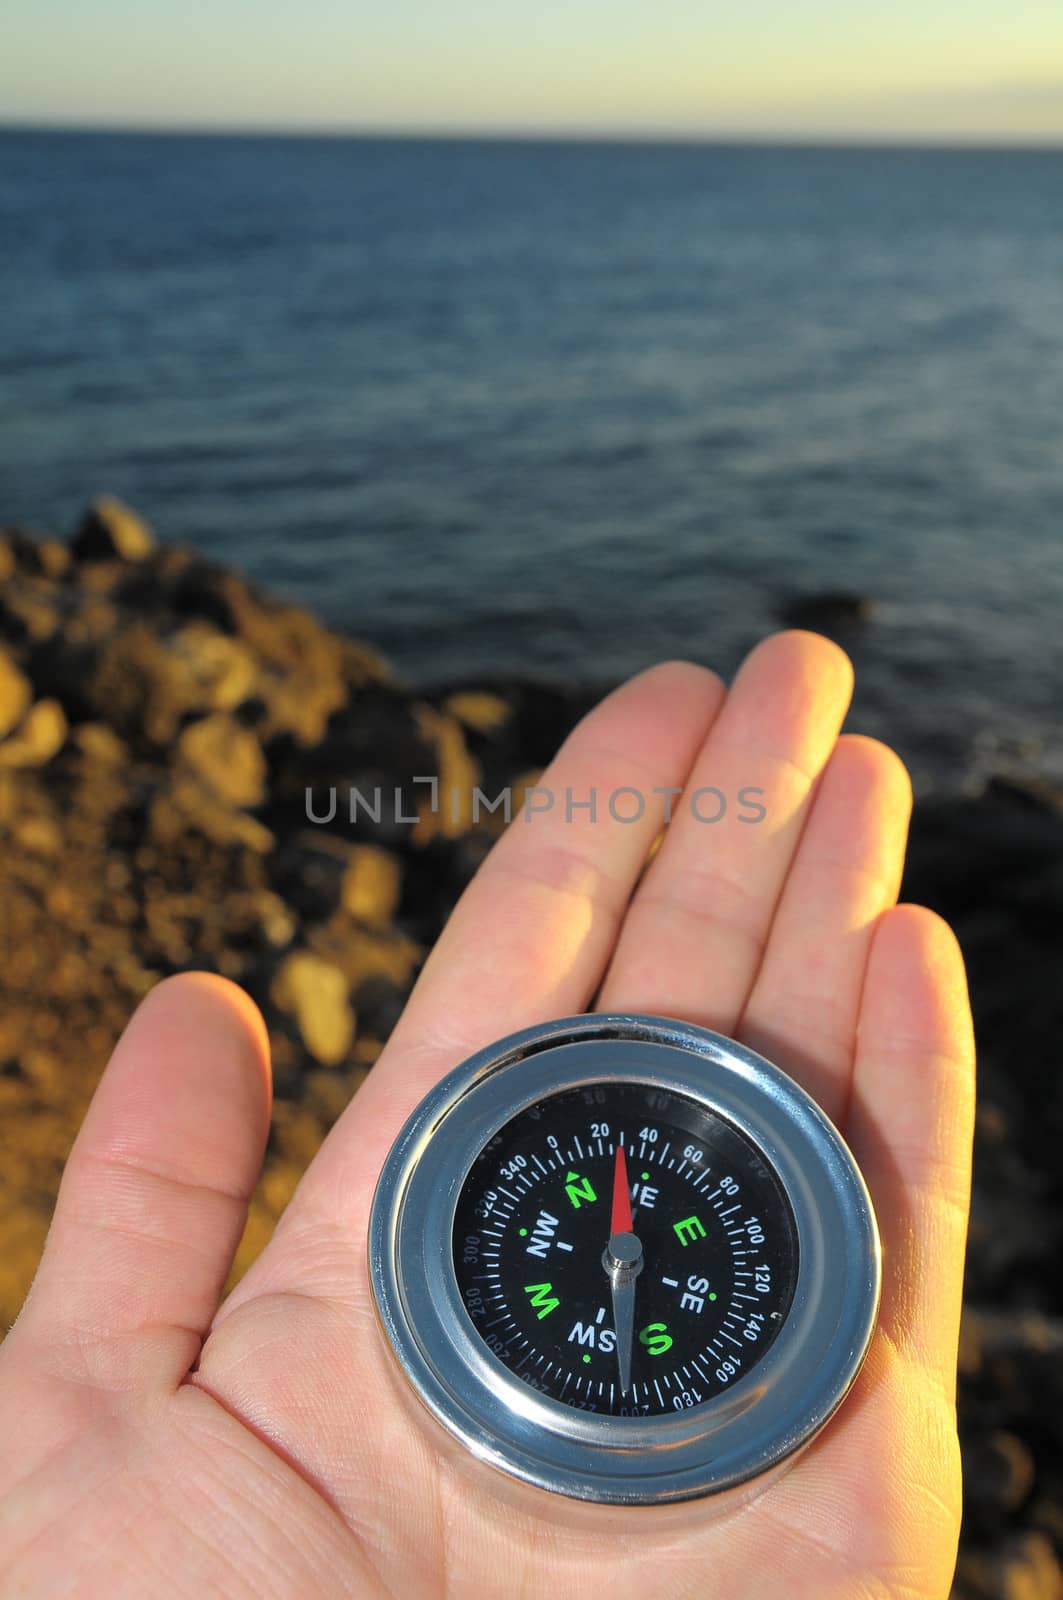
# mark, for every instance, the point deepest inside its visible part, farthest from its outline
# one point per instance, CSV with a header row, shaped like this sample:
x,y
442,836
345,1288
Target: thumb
x,y
154,1196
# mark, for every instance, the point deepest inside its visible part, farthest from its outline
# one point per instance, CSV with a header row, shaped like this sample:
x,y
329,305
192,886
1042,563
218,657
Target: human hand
x,y
156,1443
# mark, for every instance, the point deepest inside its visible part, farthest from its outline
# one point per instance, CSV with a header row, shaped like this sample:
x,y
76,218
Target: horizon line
x,y
796,138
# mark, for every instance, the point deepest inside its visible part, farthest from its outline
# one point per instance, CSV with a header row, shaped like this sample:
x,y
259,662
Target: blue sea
x,y
563,409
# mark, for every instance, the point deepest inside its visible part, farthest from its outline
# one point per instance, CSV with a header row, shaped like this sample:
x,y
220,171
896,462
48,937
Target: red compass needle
x,y
621,1222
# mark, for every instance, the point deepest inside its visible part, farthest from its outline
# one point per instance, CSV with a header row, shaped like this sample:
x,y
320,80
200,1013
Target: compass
x,y
625,1259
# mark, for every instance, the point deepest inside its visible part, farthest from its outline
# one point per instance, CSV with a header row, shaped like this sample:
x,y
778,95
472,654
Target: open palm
x,y
156,1443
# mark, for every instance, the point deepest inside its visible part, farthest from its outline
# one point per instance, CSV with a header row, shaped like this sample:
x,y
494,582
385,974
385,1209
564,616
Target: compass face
x,y
625,1249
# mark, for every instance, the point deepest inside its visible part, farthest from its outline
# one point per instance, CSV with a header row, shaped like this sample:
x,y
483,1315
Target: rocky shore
x,y
161,722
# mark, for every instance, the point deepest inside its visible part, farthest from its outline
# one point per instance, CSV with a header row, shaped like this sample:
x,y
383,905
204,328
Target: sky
x,y
981,70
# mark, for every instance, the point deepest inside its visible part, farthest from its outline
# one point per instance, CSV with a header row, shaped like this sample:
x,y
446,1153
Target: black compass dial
x,y
624,1249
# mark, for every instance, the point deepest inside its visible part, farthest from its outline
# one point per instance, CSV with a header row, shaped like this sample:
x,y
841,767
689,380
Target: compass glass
x,y
624,1249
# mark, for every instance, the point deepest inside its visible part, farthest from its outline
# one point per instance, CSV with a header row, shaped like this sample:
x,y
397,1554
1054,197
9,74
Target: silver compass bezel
x,y
738,1434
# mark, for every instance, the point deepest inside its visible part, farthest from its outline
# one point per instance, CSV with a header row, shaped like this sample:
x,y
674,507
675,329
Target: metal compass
x,y
625,1259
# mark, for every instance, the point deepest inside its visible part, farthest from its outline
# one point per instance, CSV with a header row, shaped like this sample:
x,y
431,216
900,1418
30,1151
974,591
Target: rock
x,y
215,672
188,807
478,709
53,558
99,745
303,668
372,882
110,528
149,680
1027,791
361,952
379,1003
226,757
998,1472
316,995
372,746
39,835
318,874
835,610
29,610
40,737
307,871
1028,1569
33,554
16,693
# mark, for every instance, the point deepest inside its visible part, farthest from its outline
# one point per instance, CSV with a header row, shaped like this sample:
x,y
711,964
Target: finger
x,y
910,1126
698,924
154,1195
530,936
803,1010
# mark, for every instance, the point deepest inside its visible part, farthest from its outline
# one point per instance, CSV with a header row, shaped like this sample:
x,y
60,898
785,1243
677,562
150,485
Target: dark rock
x,y
1029,793
32,554
307,871
998,1474
833,611
513,724
110,529
379,1003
